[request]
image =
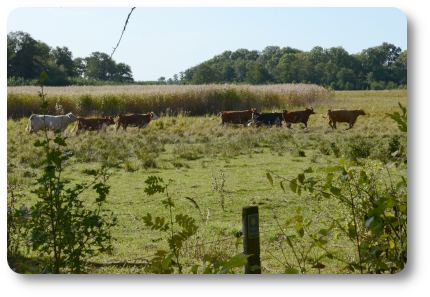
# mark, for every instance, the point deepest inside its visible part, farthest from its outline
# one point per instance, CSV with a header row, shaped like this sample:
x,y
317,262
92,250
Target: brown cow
x,y
93,124
297,116
236,117
134,120
343,115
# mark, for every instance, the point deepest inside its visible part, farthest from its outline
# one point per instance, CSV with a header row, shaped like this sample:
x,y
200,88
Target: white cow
x,y
35,122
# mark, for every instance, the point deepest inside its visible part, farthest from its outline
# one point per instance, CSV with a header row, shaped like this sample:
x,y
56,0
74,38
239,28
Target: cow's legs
x,y
306,125
351,124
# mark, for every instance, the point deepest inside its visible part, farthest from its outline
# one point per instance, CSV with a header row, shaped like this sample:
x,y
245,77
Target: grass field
x,y
198,156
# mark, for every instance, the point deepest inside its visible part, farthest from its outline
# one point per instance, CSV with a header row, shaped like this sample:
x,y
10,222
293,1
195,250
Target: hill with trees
x,y
27,58
379,67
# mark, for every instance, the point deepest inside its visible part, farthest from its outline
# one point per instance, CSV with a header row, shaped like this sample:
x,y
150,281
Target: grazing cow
x,y
274,118
235,117
53,123
297,116
134,120
343,115
93,124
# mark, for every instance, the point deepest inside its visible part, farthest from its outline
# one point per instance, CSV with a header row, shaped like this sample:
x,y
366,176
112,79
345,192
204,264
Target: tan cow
x,y
343,116
236,117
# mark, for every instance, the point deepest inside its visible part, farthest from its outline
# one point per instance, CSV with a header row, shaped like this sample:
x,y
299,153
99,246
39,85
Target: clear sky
x,y
164,41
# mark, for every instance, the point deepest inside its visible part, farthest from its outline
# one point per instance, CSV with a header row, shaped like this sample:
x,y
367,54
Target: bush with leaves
x,y
371,215
60,229
179,229
303,245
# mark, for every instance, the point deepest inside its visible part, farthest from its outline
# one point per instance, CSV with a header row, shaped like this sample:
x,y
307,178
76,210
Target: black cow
x,y
274,118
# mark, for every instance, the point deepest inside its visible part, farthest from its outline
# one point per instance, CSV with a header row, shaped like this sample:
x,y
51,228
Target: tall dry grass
x,y
195,100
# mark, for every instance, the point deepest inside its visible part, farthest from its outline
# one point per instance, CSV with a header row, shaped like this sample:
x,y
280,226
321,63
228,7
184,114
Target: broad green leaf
x,y
44,105
299,209
43,75
301,178
309,170
282,185
335,191
319,266
237,261
269,177
289,222
255,267
291,271
402,208
239,240
206,258
194,269
352,232
167,261
37,143
293,186
326,195
299,229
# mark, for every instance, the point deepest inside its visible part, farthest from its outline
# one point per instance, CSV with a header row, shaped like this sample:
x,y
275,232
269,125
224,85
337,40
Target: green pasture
x,y
211,163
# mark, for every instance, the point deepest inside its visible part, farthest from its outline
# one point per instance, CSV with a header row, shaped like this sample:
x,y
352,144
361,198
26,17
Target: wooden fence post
x,y
251,238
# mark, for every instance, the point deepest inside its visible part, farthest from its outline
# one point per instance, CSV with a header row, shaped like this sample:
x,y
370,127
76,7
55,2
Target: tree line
x,y
379,67
27,58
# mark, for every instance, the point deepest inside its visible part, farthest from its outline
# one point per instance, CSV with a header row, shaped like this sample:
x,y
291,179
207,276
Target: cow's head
x,y
153,116
72,116
311,110
111,121
361,111
253,110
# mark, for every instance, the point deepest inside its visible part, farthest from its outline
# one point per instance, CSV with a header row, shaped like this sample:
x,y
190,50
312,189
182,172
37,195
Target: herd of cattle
x,y
244,117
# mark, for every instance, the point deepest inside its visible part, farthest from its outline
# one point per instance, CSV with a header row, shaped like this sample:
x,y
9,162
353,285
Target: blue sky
x,y
164,41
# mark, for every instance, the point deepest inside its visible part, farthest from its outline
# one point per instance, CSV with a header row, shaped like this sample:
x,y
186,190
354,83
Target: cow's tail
x,y
327,113
220,113
28,129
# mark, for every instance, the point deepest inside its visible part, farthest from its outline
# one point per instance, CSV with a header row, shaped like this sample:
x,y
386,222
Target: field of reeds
x,y
221,168
173,99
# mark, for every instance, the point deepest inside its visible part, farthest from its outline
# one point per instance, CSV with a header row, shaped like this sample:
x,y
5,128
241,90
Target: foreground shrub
x,y
59,228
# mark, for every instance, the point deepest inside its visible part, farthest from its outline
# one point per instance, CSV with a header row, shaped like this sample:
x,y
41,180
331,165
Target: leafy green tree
x,y
240,70
206,75
97,66
79,66
22,50
63,56
189,73
175,78
257,74
228,72
100,67
345,76
400,68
